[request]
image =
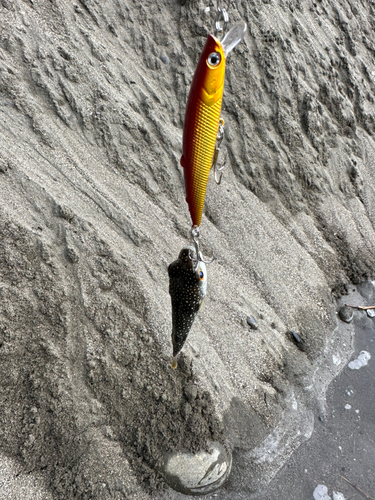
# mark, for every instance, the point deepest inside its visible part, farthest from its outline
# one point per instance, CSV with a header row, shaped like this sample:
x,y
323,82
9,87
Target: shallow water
x,y
343,442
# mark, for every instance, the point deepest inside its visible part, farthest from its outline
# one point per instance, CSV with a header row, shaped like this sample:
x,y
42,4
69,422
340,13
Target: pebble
x,y
296,337
251,321
197,474
164,59
346,314
371,313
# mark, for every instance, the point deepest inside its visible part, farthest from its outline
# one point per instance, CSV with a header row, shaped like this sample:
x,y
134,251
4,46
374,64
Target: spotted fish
x,y
187,288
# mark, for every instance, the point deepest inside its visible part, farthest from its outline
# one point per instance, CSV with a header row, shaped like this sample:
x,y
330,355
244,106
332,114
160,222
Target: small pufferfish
x,y
187,288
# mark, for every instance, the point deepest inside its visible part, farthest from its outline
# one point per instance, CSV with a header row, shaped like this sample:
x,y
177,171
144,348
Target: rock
x,y
371,313
251,321
296,337
198,474
346,314
164,59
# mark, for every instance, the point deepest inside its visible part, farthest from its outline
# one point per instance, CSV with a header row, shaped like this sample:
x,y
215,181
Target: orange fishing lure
x,y
202,118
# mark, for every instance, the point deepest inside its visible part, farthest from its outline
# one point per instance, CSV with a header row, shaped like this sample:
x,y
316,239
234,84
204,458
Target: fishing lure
x,y
202,118
187,288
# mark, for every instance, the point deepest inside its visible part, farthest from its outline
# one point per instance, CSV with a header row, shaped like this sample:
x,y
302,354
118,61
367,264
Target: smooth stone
x,y
198,474
296,337
164,59
251,321
346,314
371,313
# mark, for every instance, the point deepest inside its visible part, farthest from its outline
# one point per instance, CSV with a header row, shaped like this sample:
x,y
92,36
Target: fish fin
x,y
200,305
182,161
174,362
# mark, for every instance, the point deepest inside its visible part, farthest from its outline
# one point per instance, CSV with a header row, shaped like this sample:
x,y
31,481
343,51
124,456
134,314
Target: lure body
x,y
187,288
201,125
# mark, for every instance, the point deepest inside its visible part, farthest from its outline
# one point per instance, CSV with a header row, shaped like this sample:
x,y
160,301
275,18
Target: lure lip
x,y
234,36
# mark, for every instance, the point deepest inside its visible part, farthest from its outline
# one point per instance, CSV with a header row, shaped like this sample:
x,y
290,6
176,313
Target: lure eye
x,y
214,59
201,274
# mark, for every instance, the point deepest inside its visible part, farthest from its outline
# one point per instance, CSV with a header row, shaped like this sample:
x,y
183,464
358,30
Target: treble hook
x,y
222,19
198,254
219,140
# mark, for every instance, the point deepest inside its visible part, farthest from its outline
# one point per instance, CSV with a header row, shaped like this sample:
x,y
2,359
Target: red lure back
x,y
201,125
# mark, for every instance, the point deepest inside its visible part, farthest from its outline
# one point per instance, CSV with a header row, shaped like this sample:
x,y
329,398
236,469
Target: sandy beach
x,y
93,211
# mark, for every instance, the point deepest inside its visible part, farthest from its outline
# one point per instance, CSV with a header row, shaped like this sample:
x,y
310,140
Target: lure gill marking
x,y
202,118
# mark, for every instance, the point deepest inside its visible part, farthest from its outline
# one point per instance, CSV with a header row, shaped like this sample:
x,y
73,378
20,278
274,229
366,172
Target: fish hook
x,y
222,19
219,140
198,254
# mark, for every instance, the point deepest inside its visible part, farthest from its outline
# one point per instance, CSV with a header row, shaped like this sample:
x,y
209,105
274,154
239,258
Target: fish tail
x,y
174,362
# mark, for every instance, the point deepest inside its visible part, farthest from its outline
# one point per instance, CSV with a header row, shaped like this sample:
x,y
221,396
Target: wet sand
x,y
343,442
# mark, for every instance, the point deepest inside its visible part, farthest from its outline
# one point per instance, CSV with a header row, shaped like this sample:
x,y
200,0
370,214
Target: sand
x,y
92,211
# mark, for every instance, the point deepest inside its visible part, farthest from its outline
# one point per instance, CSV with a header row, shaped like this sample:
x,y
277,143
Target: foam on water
x,y
362,360
321,493
338,496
